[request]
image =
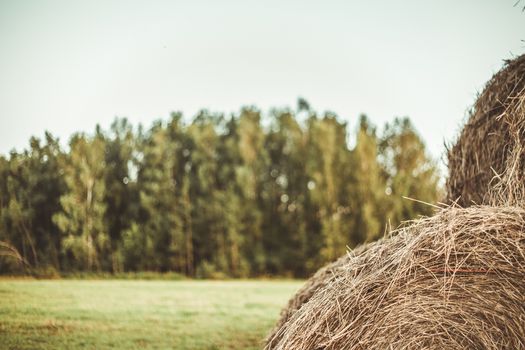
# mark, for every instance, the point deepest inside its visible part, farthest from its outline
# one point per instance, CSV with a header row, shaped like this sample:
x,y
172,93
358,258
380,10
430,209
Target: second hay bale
x,y
487,163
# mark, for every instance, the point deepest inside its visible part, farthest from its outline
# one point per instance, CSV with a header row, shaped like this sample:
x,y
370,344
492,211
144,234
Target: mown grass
x,y
104,314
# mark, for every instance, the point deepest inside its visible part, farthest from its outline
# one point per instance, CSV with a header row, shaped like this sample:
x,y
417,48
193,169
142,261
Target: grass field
x,y
103,314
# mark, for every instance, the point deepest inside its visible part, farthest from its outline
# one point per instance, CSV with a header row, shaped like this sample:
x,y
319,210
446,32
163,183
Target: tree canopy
x,y
218,196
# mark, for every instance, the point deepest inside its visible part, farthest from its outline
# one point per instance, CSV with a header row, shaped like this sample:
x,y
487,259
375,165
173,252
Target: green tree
x,y
250,176
120,196
286,196
209,198
367,186
411,173
86,241
156,240
328,166
31,185
230,161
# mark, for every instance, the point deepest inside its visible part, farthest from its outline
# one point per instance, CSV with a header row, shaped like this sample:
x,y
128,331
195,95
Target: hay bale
x,y
486,165
452,281
319,280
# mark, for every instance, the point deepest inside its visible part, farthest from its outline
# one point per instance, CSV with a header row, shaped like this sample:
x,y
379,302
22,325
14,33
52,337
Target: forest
x,y
215,196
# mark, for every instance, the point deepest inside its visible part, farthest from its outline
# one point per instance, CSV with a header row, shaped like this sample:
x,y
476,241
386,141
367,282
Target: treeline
x,y
218,196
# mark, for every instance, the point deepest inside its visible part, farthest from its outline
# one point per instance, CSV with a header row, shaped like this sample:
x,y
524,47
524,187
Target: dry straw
x,y
487,162
319,280
452,281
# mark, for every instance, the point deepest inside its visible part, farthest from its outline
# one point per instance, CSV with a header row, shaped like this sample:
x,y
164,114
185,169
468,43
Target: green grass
x,y
103,314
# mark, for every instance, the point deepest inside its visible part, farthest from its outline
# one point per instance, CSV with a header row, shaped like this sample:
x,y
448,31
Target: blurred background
x,y
229,139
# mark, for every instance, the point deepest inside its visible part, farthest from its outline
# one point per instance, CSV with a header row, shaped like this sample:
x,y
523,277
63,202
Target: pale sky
x,y
67,65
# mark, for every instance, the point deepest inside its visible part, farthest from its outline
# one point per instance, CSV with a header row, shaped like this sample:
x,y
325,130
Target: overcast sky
x,y
67,65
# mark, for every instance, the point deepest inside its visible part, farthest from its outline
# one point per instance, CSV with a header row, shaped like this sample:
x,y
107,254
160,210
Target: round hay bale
x,y
319,280
452,281
486,165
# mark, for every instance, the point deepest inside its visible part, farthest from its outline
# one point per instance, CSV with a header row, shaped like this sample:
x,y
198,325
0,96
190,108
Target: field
x,y
103,314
